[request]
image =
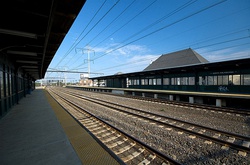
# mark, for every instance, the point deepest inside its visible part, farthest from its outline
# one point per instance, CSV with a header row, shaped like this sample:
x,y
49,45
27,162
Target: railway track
x,y
197,106
185,104
129,149
226,139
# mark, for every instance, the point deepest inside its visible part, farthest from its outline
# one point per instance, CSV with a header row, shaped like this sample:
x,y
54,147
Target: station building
x,y
187,76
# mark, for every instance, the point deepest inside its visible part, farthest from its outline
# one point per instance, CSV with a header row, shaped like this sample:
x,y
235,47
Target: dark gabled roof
x,y
179,58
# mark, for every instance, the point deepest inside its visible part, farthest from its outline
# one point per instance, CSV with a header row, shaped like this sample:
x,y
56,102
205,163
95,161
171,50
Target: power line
x,y
222,42
149,59
207,39
127,22
228,47
97,22
163,18
186,17
74,44
113,21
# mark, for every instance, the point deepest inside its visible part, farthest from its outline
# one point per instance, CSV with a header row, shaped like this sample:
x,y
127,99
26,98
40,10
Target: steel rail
x,y
149,148
232,145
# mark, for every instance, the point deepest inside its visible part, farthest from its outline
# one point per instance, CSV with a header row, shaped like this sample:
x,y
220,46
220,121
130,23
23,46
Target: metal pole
x,y
88,63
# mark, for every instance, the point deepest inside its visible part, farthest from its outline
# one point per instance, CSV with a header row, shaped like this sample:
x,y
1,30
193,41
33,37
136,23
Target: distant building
x,y
179,58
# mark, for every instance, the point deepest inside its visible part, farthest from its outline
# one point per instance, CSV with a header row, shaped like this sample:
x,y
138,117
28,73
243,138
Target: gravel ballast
x,y
180,146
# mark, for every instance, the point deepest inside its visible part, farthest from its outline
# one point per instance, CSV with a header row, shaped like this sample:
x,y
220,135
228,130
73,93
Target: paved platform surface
x,y
32,133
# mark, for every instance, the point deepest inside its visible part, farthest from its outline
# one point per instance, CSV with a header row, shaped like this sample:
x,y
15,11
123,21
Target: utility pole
x,y
88,60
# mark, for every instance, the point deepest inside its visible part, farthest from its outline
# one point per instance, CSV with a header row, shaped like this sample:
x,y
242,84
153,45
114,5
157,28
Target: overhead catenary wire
x,y
235,39
126,23
162,19
75,44
144,9
232,46
220,36
200,44
217,37
205,24
150,59
98,22
159,29
176,10
112,21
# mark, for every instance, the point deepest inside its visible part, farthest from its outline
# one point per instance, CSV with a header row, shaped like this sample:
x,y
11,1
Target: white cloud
x,y
224,55
146,59
113,49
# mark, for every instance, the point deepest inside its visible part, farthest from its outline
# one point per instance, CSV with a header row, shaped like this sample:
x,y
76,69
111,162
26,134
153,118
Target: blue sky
x,y
127,35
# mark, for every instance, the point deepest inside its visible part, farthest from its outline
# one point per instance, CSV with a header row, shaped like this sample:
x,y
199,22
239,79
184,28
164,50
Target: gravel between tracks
x,y
179,146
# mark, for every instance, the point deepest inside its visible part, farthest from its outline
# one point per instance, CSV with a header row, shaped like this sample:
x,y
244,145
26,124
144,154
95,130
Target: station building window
x,y
134,82
215,80
223,80
210,80
246,79
184,80
142,81
179,81
166,81
235,79
173,81
202,80
158,81
154,81
130,82
191,80
150,81
137,82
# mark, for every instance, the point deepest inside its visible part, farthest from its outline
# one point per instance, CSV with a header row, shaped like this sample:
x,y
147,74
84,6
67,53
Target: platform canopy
x,y
31,31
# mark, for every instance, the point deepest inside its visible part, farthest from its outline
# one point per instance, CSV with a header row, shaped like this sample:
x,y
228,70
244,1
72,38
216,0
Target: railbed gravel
x,y
178,146
223,121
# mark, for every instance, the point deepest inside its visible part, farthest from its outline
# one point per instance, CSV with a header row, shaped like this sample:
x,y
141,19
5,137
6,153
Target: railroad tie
x,y
111,138
121,150
133,155
104,135
202,131
217,135
101,131
245,144
169,129
190,128
180,125
146,161
230,140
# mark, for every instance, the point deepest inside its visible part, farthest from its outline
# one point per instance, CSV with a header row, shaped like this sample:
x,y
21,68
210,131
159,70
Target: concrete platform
x,y
32,133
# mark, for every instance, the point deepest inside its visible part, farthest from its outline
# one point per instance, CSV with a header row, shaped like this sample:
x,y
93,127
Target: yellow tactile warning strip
x,y
88,149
